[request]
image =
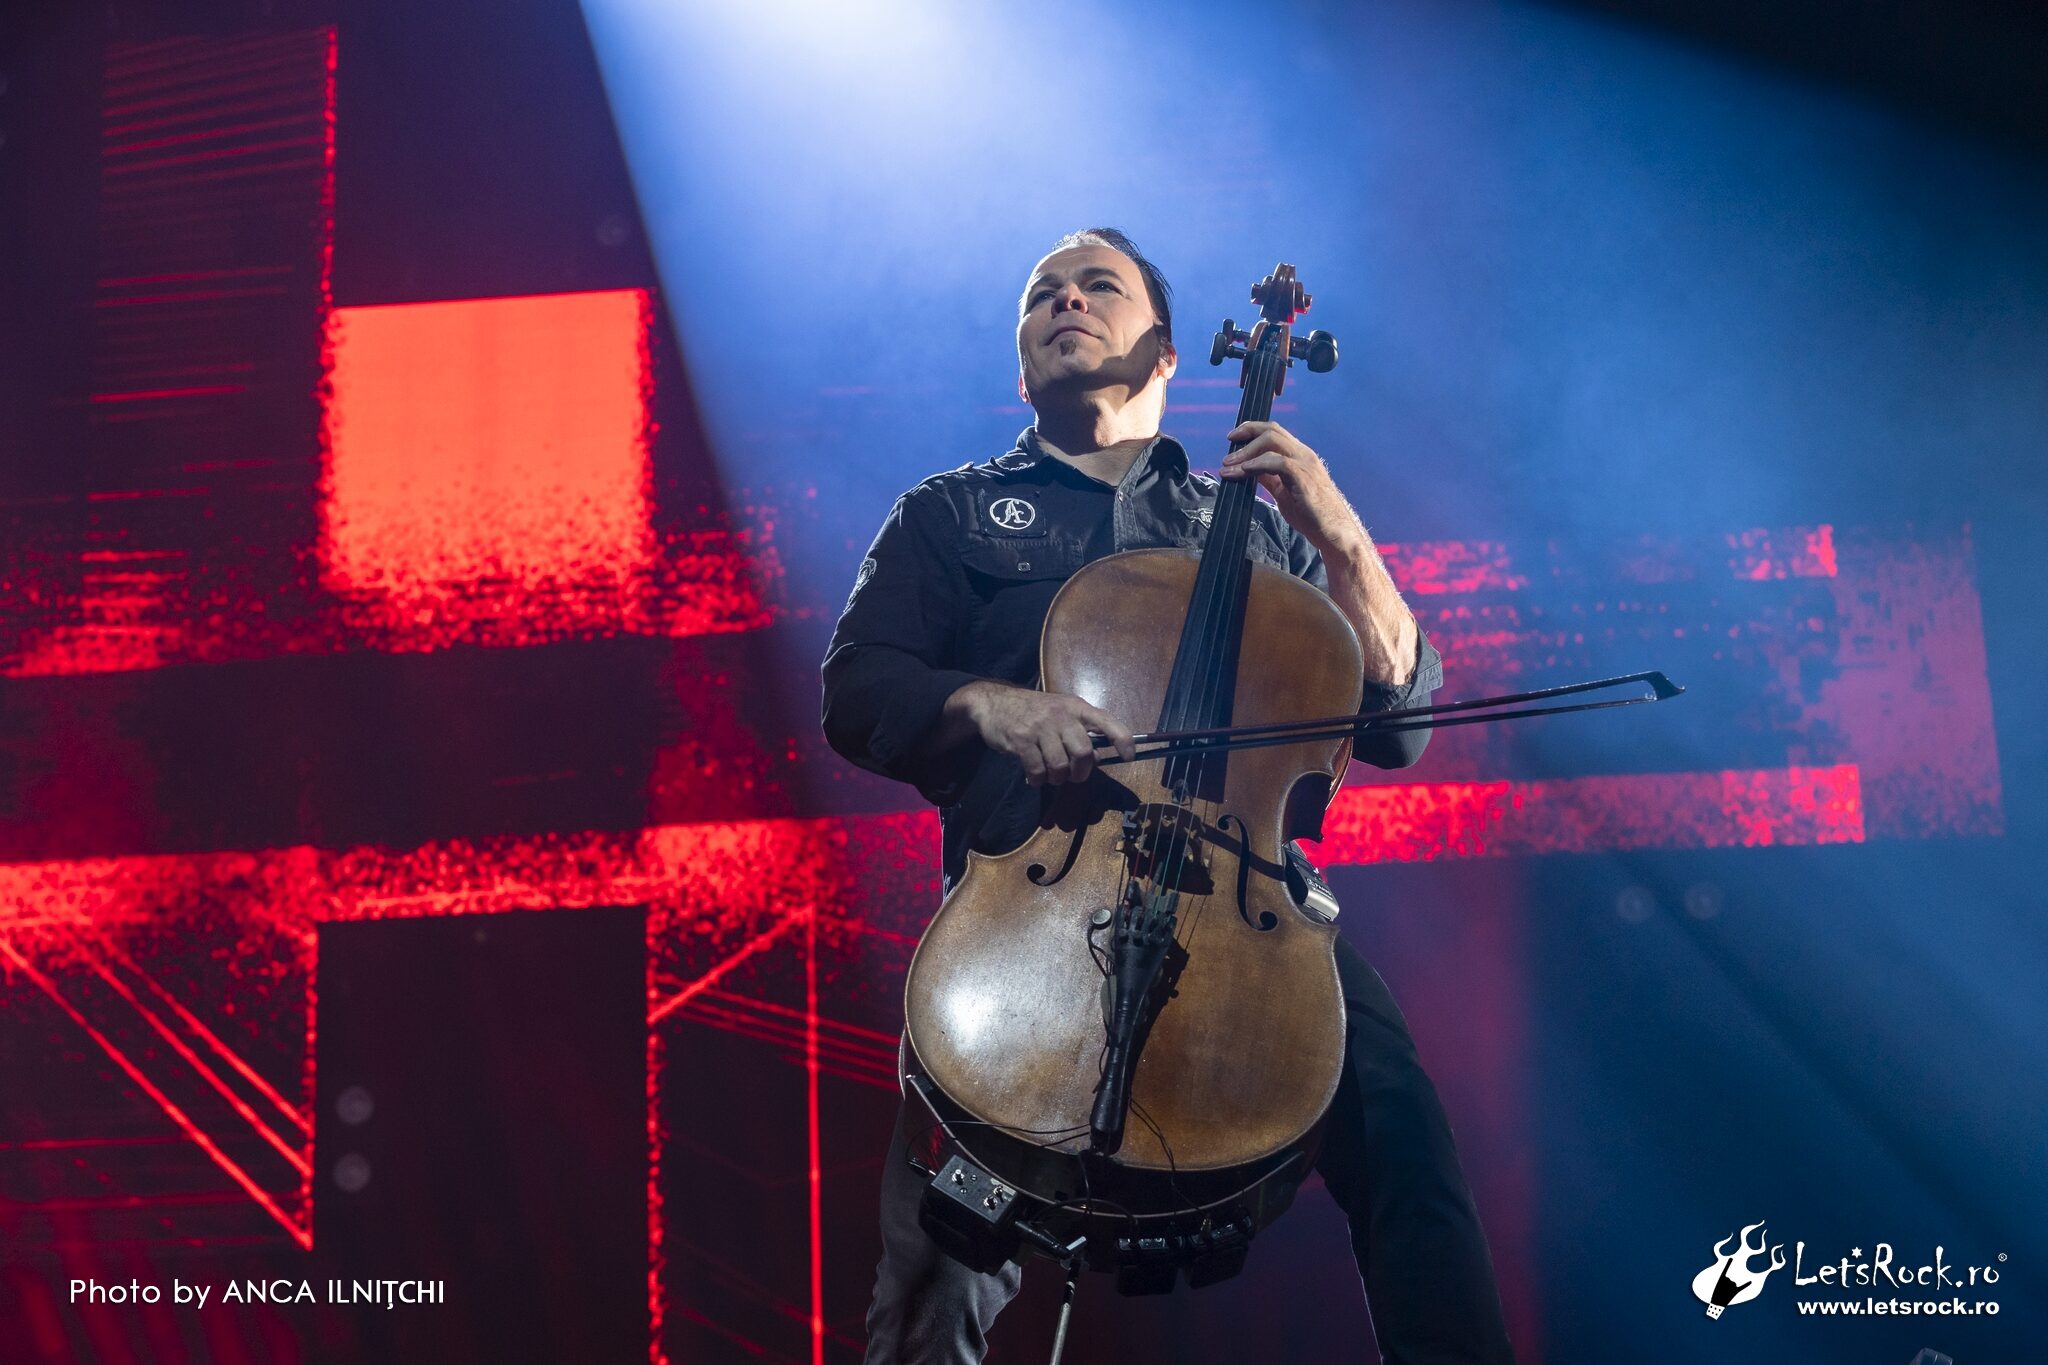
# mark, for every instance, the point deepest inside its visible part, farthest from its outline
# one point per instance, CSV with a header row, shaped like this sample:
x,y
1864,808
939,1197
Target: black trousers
x,y
1387,1160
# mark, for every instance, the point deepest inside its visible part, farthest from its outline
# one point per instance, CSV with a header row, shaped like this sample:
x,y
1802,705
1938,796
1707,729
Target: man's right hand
x,y
1047,732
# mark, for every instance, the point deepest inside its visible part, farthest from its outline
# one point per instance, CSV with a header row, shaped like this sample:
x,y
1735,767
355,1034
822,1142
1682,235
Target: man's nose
x,y
1070,299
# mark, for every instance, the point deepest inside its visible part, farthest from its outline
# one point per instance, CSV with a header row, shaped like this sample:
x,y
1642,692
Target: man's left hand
x,y
1299,482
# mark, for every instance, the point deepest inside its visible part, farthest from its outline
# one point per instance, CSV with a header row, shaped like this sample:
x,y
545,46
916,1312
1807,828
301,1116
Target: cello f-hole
x,y
1267,920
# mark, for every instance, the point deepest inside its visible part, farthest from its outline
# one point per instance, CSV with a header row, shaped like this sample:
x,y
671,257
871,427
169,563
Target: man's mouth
x,y
1067,331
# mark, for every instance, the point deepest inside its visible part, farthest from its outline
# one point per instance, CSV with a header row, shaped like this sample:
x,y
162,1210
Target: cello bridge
x,y
1165,844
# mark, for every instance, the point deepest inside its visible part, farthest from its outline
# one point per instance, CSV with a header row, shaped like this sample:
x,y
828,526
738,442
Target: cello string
x,y
1180,704
1216,659
1220,679
1242,566
1207,642
1191,698
1217,663
1211,639
1174,770
1213,632
1231,526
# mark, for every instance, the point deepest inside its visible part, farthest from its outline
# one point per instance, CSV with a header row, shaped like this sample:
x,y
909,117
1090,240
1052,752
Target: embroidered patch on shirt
x,y
1010,516
860,580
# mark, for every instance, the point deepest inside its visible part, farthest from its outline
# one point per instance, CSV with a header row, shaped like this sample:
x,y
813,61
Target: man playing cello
x,y
930,679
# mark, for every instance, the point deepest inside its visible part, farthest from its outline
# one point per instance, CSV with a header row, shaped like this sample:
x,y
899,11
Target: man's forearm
x,y
957,722
1365,593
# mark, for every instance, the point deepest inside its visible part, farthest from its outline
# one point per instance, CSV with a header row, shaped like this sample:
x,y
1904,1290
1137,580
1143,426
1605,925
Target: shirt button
x,y
1023,566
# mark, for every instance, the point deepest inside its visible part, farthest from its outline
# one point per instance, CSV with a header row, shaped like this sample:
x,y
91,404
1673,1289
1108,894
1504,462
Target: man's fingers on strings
x,y
1250,450
1268,465
1256,457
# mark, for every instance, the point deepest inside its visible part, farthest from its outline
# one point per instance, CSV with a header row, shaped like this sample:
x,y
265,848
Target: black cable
x,y
1188,1204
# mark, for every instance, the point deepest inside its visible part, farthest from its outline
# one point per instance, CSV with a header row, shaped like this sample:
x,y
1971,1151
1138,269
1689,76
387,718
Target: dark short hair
x,y
1156,287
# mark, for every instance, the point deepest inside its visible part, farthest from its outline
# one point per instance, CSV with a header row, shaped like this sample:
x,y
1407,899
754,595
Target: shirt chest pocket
x,y
1005,560
1011,582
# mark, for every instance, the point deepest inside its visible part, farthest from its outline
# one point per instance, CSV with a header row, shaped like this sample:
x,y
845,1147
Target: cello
x,y
1128,1030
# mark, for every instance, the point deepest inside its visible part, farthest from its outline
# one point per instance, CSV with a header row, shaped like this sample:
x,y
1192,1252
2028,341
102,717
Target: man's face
x,y
1087,323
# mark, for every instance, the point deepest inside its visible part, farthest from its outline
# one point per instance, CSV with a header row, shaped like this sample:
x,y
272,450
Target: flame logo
x,y
1731,1278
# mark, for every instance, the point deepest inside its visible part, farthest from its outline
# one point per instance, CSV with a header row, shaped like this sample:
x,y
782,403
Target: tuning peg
x,y
1318,348
1229,344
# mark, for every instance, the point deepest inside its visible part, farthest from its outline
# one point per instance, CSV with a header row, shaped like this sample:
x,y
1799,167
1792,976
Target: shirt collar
x,y
1164,454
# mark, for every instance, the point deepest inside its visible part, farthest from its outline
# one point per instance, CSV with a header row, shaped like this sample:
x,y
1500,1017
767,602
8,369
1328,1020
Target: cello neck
x,y
1201,687
1265,370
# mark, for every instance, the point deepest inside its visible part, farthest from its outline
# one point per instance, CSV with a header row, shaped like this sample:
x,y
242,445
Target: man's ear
x,y
1169,359
1022,397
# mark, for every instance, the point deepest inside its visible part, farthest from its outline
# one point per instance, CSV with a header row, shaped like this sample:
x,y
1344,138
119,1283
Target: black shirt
x,y
956,587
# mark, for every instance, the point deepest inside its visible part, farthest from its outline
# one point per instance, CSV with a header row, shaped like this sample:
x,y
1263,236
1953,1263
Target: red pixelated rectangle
x,y
487,471
479,473
1429,567
1420,822
1794,552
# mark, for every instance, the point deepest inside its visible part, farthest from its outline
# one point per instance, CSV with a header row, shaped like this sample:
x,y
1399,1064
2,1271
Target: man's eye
x,y
1105,284
1038,297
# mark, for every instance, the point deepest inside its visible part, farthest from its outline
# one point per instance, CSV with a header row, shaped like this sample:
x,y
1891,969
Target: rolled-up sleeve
x,y
887,673
1382,749
1401,749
